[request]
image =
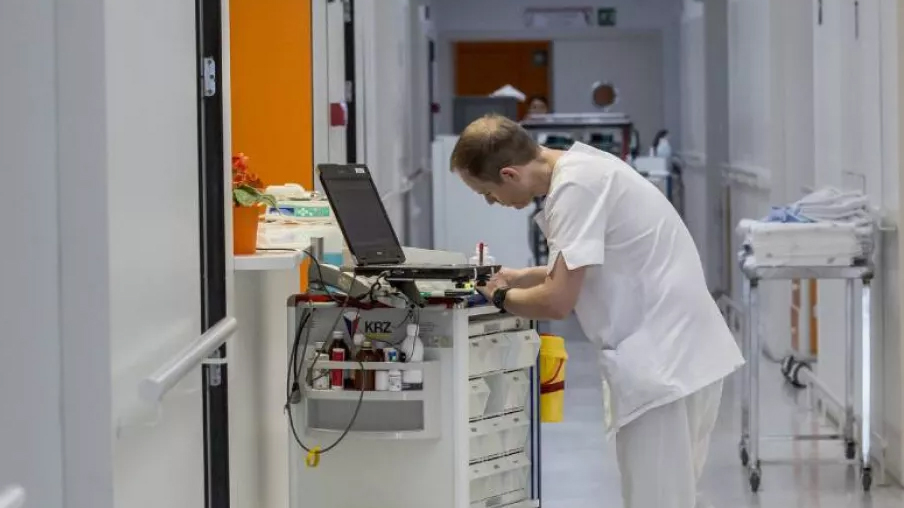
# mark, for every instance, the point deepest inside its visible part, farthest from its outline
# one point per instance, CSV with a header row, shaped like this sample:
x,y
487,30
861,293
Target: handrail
x,y
155,386
12,497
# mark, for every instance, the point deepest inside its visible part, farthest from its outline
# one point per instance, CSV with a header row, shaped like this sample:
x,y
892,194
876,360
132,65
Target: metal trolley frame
x,y
752,345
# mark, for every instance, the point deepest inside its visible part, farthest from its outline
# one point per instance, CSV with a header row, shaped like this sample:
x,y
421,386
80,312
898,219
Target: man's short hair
x,y
490,144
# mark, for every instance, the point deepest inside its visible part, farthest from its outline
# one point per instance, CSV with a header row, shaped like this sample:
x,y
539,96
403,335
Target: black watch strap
x,y
499,298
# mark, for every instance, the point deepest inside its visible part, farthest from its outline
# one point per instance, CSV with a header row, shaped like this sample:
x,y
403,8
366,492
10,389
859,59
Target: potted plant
x,y
248,203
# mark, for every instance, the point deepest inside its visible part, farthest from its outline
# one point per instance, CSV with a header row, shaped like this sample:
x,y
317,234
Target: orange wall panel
x,y
272,89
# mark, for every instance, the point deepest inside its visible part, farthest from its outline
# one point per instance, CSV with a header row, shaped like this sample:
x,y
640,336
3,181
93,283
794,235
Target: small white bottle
x,y
394,380
484,258
321,377
414,353
358,339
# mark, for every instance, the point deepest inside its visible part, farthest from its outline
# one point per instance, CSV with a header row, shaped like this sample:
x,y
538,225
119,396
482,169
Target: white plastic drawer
x,y
488,354
524,346
517,473
508,392
477,356
478,397
485,484
515,429
493,478
485,439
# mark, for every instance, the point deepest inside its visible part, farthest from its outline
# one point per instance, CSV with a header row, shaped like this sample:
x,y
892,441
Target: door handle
x,y
154,387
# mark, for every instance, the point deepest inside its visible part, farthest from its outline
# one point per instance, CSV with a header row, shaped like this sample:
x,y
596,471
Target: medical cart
x,y
469,437
752,346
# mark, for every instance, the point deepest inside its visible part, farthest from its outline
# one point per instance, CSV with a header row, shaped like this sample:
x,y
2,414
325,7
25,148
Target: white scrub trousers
x,y
661,454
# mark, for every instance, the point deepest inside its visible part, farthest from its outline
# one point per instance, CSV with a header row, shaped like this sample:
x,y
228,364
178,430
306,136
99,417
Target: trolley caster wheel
x,y
755,481
745,458
850,450
866,476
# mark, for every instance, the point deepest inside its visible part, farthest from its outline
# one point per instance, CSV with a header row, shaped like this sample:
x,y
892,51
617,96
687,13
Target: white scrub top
x,y
644,299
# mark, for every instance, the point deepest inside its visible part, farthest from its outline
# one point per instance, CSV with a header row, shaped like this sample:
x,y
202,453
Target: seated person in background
x,y
537,105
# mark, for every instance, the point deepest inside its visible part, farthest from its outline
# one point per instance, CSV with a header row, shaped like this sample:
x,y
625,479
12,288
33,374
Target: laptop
x,y
369,234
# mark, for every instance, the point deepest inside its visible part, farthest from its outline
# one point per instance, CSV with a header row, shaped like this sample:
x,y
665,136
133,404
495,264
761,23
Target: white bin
x,y
486,439
477,356
508,392
524,346
495,477
478,397
515,429
498,346
516,477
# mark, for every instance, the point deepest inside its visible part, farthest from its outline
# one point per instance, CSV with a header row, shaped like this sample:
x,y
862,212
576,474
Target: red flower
x,y
240,174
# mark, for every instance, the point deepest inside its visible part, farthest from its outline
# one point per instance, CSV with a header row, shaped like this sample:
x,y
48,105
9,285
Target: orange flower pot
x,y
245,220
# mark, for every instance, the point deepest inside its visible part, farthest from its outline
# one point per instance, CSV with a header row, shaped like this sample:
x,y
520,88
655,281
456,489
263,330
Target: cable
x,y
292,372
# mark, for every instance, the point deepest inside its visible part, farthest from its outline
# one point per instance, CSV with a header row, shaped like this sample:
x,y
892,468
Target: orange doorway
x,y
481,67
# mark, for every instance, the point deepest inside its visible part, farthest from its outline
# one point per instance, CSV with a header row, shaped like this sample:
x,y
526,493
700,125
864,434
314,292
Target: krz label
x,y
378,327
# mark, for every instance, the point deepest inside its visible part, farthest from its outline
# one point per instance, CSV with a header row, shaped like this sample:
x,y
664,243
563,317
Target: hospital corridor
x,y
451,254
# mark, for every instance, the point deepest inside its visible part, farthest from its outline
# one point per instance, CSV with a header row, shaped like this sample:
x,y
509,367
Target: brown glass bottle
x,y
338,343
365,379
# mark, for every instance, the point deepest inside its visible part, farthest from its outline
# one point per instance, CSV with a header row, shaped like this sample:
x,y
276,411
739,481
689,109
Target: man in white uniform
x,y
623,261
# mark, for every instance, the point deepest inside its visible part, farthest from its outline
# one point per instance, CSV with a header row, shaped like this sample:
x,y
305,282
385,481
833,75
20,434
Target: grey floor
x,y
579,468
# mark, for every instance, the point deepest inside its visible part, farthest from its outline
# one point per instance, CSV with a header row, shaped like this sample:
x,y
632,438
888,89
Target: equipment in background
x,y
466,109
610,132
372,240
664,173
299,217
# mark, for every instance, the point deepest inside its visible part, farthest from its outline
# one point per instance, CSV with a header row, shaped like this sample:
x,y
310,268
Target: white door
x,y
102,265
30,416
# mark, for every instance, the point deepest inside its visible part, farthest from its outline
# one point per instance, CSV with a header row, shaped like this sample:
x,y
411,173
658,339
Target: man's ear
x,y
509,173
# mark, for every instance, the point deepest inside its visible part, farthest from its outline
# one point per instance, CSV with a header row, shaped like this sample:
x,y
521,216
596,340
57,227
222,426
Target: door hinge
x,y
209,76
214,365
857,19
819,12
347,11
349,91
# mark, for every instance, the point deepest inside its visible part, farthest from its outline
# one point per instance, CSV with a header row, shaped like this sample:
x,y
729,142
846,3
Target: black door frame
x,y
351,89
212,191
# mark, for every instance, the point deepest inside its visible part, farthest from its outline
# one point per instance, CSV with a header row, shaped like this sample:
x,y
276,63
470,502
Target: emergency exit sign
x,y
605,16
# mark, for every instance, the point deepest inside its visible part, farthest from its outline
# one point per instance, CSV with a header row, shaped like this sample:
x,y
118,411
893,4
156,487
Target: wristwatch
x,y
499,298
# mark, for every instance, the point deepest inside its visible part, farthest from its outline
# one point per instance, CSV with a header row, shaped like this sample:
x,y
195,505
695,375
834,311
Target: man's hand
x,y
490,287
507,277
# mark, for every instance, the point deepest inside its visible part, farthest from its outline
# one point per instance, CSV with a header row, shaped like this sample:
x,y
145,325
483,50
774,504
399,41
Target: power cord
x,y
293,387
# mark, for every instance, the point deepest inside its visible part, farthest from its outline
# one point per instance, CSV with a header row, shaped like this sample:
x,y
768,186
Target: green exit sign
x,y
605,16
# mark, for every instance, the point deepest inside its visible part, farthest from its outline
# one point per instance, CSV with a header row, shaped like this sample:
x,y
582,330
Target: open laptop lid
x,y
361,215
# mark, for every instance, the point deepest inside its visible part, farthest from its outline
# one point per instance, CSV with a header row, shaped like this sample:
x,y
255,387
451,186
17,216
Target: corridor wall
x,y
813,98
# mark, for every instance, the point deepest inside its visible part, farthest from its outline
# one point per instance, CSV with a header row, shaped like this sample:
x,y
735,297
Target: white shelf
x,y
269,260
376,436
483,310
370,395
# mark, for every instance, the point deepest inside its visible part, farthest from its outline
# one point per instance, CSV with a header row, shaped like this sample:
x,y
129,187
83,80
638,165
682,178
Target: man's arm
x,y
524,277
553,298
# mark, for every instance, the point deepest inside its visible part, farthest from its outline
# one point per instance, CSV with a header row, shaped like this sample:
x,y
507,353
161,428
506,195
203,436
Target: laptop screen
x,y
361,215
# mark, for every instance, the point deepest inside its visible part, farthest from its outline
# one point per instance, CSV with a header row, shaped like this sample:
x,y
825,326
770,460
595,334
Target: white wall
x,y
383,75
693,121
479,20
855,148
633,62
808,106
30,357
